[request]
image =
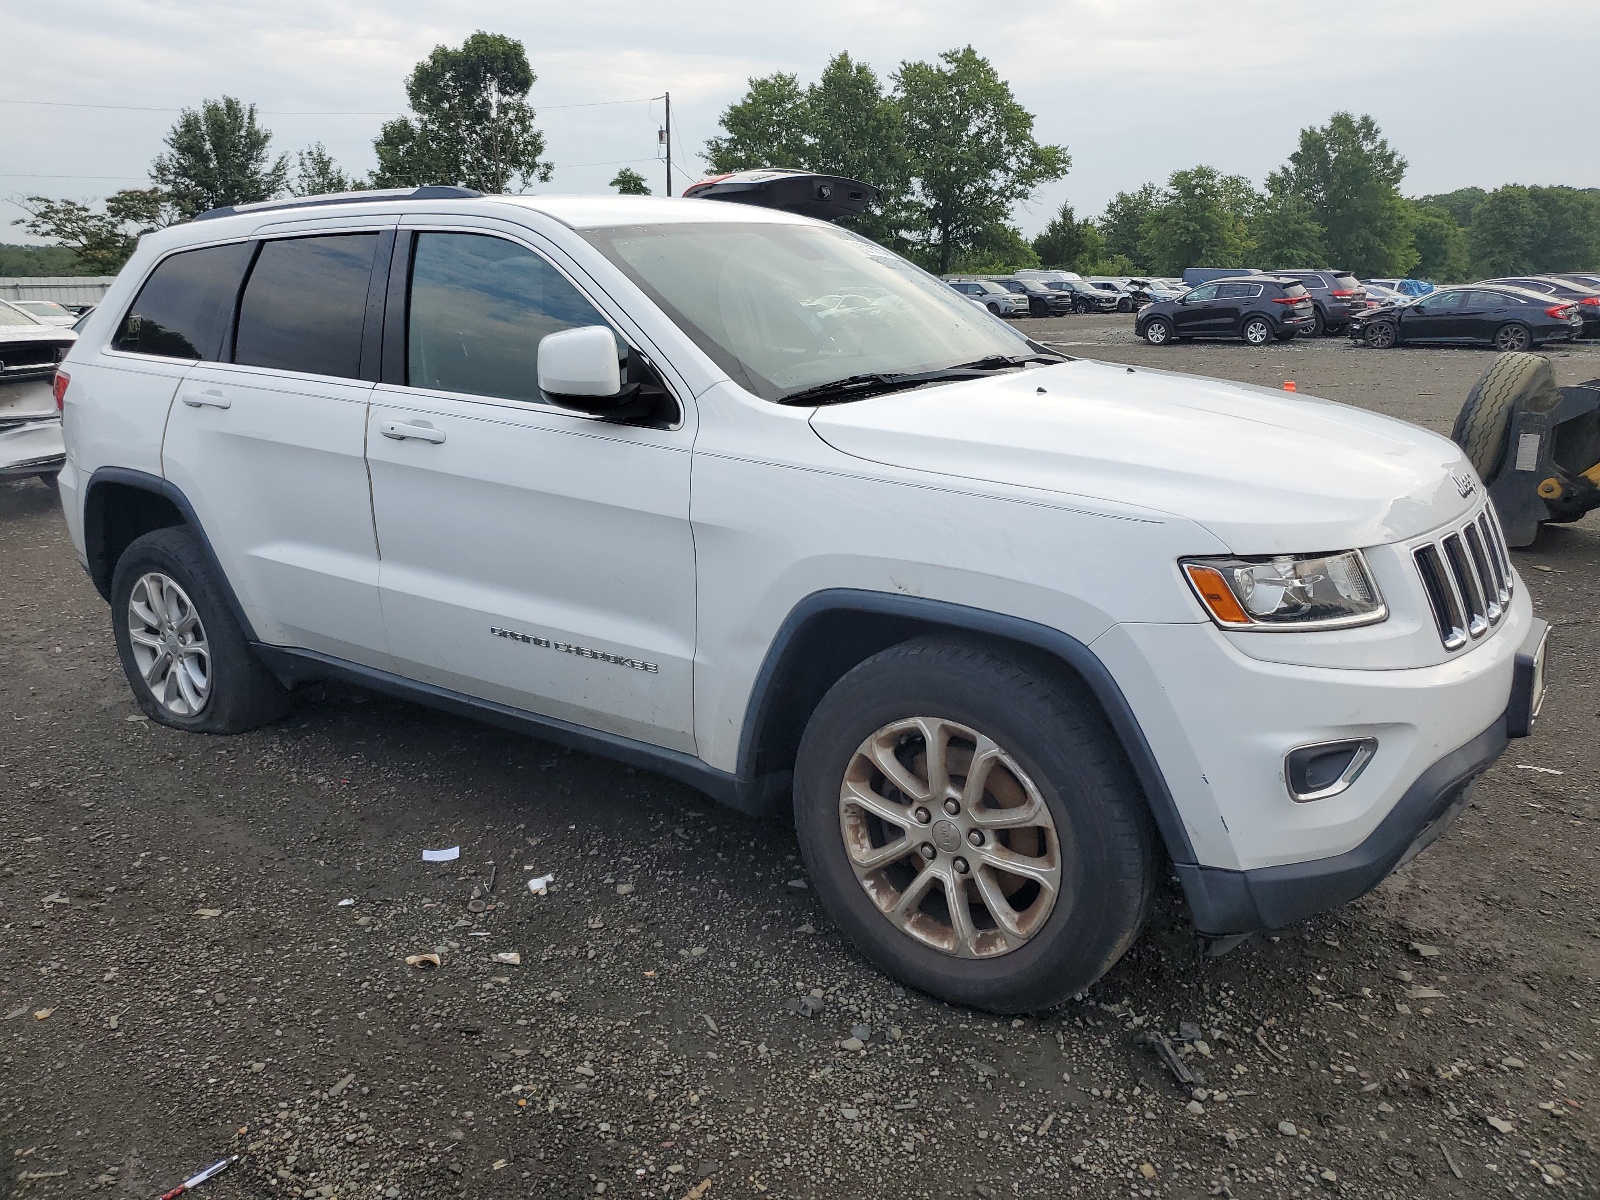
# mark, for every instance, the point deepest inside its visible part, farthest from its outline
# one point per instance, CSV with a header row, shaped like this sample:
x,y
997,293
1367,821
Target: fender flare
x,y
932,616
146,482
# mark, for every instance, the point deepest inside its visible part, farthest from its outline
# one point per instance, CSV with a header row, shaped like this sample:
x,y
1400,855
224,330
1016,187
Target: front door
x,y
532,556
1433,318
1193,315
268,444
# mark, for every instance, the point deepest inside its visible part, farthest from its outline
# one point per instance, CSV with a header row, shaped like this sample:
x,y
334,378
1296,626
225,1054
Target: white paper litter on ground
x,y
346,903
450,855
540,884
1541,770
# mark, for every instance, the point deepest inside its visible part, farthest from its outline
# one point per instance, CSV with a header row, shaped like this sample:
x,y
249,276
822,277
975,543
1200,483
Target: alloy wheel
x,y
1511,339
949,838
1380,336
1258,333
1156,332
169,644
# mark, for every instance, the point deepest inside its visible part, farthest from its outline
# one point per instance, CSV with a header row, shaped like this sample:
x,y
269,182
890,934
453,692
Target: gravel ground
x,y
205,946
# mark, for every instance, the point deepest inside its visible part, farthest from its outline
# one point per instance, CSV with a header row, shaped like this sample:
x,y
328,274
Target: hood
x,y
1266,471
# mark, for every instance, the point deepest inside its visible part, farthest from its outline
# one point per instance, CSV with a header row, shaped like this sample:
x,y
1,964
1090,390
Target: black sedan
x,y
1585,295
1042,301
1506,318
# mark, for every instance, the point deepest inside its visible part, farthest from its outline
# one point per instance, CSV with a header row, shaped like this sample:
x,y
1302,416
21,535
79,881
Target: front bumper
x,y
1225,902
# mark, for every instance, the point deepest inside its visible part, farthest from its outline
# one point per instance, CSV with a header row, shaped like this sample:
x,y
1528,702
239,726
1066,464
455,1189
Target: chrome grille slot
x,y
1468,579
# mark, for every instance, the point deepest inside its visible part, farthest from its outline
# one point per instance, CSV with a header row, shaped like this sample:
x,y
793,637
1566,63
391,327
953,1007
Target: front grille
x,y
1467,575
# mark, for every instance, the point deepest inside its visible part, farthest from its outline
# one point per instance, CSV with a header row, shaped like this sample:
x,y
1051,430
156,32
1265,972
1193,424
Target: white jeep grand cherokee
x,y
742,497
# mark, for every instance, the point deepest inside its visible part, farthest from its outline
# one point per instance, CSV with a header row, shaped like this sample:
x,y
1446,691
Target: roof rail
x,y
433,191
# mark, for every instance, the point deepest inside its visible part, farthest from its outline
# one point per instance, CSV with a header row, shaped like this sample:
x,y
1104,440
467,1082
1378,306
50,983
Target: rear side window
x,y
1294,290
182,310
1490,300
1237,291
305,305
479,307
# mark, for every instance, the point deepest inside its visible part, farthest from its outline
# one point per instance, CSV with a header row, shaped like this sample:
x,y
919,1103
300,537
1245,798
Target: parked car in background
x,y
1585,278
47,311
1506,318
1043,300
1117,288
992,296
1155,289
1378,296
1585,296
30,422
1336,297
1406,287
1086,298
1257,309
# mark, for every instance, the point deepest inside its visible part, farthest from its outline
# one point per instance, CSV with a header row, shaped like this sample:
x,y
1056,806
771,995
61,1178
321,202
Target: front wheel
x,y
972,826
1381,335
1158,331
1257,331
1513,338
181,648
1125,305
994,309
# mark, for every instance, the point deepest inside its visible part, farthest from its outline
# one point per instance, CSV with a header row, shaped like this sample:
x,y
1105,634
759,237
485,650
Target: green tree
x,y
629,182
1286,232
856,130
1349,177
317,174
1122,224
470,123
218,155
1460,204
1197,222
1566,229
39,261
1441,245
972,152
770,127
1065,240
100,241
1501,238
998,250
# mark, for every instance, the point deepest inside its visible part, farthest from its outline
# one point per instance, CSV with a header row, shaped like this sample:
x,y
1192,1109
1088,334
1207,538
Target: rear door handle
x,y
401,430
206,400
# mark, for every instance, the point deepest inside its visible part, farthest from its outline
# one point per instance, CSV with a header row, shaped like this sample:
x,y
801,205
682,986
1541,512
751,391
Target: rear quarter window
x,y
182,310
1346,283
1294,290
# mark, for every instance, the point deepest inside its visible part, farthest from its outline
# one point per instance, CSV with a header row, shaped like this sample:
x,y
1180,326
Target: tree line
x,y
947,141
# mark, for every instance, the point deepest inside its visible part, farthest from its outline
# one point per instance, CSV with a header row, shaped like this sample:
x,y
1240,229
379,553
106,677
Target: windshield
x,y
786,308
15,316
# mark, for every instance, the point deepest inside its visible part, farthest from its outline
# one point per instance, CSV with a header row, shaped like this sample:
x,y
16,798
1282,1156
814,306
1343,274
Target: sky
x,y
1135,91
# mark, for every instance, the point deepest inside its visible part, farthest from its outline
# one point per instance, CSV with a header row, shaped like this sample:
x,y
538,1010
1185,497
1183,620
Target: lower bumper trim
x,y
1225,902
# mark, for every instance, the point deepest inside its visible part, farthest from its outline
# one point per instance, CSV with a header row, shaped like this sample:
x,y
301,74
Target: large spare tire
x,y
1512,379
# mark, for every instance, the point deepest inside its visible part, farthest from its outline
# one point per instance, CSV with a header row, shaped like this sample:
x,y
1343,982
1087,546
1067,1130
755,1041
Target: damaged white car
x,y
30,418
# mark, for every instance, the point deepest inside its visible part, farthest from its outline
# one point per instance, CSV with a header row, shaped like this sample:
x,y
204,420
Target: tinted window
x,y
1346,283
305,304
1489,300
1294,289
1235,291
1314,282
479,307
1209,292
182,310
1443,301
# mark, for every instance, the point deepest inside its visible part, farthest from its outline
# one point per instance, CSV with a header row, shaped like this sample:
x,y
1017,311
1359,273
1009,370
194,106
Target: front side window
x,y
305,304
479,307
751,296
182,310
1443,302
1201,294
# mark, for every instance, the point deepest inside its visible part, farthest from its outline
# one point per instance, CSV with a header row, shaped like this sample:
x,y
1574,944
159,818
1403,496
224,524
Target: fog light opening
x,y
1325,769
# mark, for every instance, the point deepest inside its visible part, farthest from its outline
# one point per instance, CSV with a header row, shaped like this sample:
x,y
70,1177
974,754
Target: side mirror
x,y
578,368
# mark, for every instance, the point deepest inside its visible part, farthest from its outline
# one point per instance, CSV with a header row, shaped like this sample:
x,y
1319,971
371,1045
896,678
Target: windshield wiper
x,y
855,386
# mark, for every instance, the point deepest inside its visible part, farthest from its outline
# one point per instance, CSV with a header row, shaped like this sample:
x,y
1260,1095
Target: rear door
x,y
268,444
1228,308
532,556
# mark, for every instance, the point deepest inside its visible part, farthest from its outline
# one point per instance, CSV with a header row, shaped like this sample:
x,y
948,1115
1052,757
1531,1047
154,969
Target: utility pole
x,y
667,133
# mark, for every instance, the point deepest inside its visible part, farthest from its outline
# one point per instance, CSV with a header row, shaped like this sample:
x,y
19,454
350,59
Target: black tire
x,y
1257,331
1101,822
1079,307
242,693
1512,379
1513,338
1381,335
1157,331
993,308
1319,325
1125,305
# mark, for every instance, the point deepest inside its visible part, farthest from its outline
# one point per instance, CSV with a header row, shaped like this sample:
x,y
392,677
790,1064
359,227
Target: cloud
x,y
1135,91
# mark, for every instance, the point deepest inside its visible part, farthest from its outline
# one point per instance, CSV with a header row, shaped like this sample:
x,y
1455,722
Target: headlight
x,y
1287,591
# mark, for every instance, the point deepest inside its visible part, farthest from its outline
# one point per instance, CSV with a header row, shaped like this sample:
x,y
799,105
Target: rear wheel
x,y
181,648
972,826
1381,335
1480,429
1513,338
1158,331
1257,331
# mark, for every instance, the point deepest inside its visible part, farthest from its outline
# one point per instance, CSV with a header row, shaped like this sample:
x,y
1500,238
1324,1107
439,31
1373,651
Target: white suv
x,y
1017,633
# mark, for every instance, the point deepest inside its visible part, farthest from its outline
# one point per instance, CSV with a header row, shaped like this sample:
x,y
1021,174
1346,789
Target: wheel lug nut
x,y
952,807
927,850
961,866
923,816
975,837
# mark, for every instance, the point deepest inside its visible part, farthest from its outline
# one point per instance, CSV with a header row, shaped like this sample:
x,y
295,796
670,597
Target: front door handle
x,y
206,400
401,430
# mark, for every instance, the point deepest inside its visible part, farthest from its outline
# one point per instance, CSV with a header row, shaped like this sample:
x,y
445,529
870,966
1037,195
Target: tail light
x,y
59,389
1561,311
1347,295
1594,300
1287,299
